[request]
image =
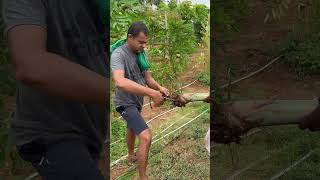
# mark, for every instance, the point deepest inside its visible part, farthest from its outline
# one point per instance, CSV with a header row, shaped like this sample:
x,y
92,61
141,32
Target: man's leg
x,y
136,123
143,152
130,143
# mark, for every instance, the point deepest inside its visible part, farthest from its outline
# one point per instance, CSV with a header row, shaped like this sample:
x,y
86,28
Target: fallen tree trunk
x,y
192,97
235,119
279,112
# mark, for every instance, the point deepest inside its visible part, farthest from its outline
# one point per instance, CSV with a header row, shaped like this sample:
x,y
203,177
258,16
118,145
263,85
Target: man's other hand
x,y
311,121
164,91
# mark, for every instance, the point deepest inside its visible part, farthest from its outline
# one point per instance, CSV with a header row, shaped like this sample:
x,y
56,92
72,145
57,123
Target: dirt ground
x,y
246,51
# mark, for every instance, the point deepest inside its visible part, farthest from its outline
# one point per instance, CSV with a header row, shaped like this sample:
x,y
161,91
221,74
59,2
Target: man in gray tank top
x,y
132,84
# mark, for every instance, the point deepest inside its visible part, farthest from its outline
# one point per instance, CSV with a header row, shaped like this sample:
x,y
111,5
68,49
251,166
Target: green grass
x,y
119,130
185,156
204,78
284,145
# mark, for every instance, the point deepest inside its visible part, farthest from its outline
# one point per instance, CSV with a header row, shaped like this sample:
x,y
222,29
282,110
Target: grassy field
x,y
181,154
267,153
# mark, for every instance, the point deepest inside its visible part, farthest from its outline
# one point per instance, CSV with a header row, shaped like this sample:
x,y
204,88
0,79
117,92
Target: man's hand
x,y
157,99
164,91
311,121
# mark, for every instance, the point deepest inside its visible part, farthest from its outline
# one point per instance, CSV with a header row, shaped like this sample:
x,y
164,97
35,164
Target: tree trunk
x,y
278,112
235,119
191,97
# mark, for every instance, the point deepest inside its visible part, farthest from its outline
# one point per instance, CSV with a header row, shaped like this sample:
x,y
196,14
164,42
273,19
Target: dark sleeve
x,y
23,12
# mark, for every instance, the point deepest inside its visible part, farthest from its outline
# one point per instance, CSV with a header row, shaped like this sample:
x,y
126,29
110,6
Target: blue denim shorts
x,y
131,114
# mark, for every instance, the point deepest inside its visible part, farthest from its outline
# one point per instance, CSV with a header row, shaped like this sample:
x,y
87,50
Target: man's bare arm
x,y
154,85
132,87
51,73
151,82
129,85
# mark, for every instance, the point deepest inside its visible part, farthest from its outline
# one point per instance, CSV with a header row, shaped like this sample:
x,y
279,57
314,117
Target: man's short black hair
x,y
137,27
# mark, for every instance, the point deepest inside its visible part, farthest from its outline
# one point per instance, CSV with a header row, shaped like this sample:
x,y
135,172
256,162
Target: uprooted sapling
x,y
181,100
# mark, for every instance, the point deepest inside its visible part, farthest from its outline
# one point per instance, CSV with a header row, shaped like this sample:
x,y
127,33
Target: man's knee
x,y
145,136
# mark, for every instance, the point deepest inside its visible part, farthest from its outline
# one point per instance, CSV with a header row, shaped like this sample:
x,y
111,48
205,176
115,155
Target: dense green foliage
x,y
301,47
226,14
304,56
175,31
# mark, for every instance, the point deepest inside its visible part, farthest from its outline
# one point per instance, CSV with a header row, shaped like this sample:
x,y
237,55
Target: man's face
x,y
138,43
